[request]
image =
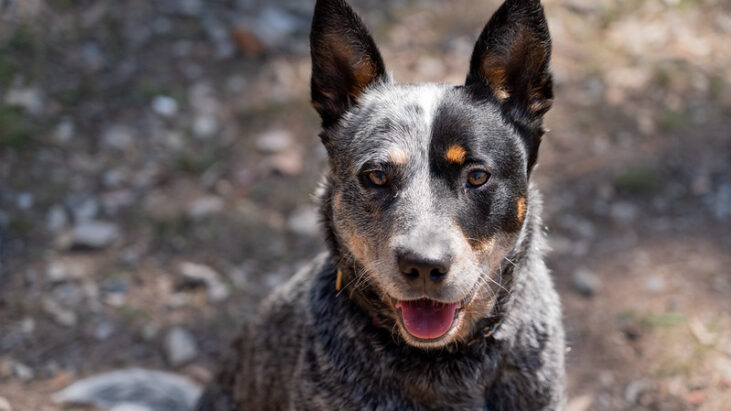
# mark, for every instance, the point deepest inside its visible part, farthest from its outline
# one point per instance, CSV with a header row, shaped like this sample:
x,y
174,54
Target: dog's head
x,y
427,190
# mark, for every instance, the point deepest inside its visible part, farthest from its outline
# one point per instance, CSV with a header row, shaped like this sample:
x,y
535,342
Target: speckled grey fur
x,y
310,348
313,347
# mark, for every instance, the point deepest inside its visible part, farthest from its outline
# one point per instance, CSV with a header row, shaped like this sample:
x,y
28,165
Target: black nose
x,y
413,266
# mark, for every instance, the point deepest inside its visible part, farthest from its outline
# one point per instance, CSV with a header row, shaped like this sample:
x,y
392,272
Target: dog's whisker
x,y
511,262
491,280
346,286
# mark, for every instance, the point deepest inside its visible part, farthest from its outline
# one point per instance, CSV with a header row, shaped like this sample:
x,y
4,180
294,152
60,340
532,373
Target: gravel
x,y
61,315
165,106
180,346
305,221
274,141
94,234
585,282
5,405
23,372
217,290
56,218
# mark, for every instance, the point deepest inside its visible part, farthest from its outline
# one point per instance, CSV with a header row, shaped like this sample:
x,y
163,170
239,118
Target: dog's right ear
x,y
345,59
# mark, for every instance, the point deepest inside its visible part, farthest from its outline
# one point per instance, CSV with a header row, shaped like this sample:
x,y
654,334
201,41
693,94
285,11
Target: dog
x,y
432,293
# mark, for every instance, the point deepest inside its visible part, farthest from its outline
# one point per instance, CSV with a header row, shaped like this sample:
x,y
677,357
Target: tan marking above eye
x,y
398,156
521,209
455,154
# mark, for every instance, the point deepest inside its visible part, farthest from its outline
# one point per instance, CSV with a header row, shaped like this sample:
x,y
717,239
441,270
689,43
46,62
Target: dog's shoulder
x,y
267,353
291,292
278,334
278,324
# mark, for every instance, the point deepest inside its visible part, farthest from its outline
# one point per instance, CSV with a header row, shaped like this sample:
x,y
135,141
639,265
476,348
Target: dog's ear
x,y
510,63
512,55
345,59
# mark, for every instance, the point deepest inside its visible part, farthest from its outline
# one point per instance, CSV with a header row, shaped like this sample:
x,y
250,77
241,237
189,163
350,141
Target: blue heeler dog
x,y
433,293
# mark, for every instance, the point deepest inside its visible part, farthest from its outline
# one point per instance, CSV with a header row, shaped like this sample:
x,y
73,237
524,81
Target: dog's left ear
x,y
345,59
510,63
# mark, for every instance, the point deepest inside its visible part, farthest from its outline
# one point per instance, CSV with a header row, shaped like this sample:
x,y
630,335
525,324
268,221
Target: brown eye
x,y
378,177
477,178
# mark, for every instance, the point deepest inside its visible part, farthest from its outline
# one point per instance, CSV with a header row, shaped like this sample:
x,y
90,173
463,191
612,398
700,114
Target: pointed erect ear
x,y
511,61
345,59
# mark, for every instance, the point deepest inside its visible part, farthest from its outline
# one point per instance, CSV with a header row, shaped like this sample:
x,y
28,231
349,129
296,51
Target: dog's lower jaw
x,y
476,308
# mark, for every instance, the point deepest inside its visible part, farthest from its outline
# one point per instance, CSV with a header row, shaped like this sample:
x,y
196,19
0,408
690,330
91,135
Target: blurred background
x,y
158,159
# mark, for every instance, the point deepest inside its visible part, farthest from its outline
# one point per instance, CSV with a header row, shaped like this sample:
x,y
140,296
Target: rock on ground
x,y
217,290
94,234
585,282
180,346
133,388
274,141
165,106
60,314
305,221
23,372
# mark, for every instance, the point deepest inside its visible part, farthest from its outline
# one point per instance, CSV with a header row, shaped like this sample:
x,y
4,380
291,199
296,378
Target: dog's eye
x,y
378,177
477,178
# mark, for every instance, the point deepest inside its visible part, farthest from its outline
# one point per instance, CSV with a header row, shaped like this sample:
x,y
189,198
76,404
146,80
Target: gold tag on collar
x,y
339,281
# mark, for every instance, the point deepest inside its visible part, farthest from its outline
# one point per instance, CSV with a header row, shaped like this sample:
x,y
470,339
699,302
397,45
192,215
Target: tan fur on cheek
x,y
455,154
487,245
481,246
520,208
357,245
337,201
474,244
480,307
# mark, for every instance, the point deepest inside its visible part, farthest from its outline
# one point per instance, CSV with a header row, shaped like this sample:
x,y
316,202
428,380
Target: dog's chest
x,y
390,390
350,366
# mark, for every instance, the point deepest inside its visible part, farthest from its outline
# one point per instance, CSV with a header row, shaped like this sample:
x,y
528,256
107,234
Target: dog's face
x,y
429,182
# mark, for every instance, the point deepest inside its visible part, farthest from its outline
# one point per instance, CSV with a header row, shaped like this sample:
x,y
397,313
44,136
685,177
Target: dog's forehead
x,y
405,102
395,122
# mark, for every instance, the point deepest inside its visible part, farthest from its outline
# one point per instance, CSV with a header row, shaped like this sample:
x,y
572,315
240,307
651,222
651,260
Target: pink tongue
x,y
427,319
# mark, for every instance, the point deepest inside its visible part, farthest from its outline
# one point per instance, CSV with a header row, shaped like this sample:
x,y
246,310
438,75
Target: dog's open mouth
x,y
427,319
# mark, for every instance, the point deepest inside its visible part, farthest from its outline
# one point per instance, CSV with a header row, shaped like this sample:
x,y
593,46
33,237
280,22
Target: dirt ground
x,y
157,161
